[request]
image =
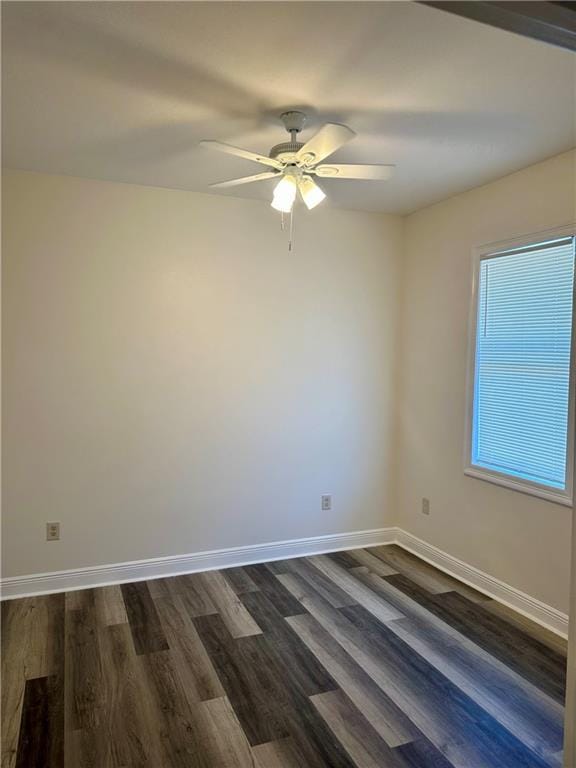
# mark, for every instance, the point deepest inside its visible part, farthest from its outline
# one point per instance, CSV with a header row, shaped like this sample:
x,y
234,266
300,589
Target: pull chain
x,y
290,229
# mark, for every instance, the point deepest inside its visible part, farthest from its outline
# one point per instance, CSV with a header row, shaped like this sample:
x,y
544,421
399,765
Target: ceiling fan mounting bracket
x,y
293,121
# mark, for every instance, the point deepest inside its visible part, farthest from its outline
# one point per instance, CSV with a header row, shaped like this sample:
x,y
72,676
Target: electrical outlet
x,y
52,531
326,503
425,506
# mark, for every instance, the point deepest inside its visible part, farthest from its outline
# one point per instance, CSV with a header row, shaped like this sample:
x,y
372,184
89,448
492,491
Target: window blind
x,y
522,363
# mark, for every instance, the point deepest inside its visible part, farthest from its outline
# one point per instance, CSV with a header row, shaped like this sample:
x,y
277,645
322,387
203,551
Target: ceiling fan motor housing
x,y
286,152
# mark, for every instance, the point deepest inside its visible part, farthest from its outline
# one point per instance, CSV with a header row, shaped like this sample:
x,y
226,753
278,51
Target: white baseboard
x,y
534,609
140,570
158,567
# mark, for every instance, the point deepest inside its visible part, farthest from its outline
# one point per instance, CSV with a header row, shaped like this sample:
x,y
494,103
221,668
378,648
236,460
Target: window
x,y
521,404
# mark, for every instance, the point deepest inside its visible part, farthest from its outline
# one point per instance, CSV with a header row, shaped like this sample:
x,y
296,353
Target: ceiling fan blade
x,y
246,154
365,172
329,138
246,179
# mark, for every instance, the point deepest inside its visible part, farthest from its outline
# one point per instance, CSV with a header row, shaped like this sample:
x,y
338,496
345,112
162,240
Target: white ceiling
x,y
124,91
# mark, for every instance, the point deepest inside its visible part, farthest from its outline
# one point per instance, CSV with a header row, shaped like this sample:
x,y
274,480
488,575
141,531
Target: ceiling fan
x,y
295,164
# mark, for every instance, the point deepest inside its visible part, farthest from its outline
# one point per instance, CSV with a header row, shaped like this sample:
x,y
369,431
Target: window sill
x,y
548,494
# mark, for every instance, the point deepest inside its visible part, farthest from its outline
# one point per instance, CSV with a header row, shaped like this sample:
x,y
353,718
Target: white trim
x,y
159,567
543,614
522,486
527,238
492,250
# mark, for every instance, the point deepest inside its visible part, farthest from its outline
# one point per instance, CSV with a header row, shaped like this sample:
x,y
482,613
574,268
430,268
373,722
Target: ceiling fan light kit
x,y
311,193
285,193
294,163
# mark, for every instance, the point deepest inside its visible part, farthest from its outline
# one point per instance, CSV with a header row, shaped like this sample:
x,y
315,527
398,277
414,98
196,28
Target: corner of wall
x,y
395,517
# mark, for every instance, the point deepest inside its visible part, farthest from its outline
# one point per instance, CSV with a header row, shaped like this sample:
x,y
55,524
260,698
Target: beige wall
x,y
517,538
175,380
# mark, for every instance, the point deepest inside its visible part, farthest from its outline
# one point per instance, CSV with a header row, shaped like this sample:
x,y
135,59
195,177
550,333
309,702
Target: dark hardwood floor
x,y
368,658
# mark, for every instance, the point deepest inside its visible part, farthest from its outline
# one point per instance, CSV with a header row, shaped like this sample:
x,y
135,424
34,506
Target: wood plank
x,y
379,710
521,652
525,710
273,589
195,595
86,698
181,742
424,574
127,732
190,587
409,695
110,605
352,730
536,631
375,564
344,559
55,662
28,627
246,673
169,586
73,751
305,670
421,754
85,695
41,740
277,754
16,620
279,566
457,726
45,637
147,632
82,750
312,739
240,581
262,692
161,587
526,718
549,709
224,744
323,585
193,664
76,599
362,594
234,615
315,745
32,636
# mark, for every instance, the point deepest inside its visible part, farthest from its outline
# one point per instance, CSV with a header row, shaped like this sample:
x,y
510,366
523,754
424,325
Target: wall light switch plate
x,y
425,506
326,503
52,531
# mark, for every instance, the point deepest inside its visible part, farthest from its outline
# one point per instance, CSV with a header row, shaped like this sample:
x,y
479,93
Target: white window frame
x,y
479,254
